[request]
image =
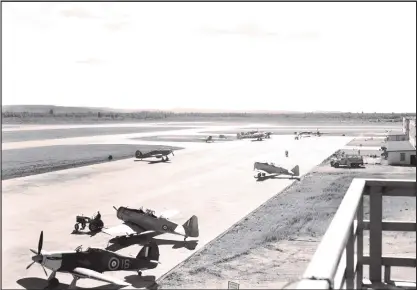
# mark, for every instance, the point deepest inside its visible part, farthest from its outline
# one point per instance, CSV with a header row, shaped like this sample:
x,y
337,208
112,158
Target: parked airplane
x,y
155,153
212,139
258,136
92,262
308,134
270,170
139,221
121,242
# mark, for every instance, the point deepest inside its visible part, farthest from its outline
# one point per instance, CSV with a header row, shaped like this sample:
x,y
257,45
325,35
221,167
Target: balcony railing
x,y
335,265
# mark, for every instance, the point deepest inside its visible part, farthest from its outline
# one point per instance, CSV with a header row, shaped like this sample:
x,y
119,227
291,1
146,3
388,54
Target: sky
x,y
342,56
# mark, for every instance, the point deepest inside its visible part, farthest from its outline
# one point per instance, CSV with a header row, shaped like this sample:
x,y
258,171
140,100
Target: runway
x,y
213,181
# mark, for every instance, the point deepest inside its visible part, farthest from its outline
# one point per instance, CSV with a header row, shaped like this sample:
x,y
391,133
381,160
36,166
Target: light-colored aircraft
x,y
92,262
270,170
306,134
258,136
139,221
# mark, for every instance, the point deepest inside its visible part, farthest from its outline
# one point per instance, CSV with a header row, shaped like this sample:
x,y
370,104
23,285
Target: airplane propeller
x,y
172,153
38,258
115,208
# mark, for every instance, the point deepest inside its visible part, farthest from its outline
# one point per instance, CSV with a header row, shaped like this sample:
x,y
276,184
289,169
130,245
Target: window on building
x,y
402,156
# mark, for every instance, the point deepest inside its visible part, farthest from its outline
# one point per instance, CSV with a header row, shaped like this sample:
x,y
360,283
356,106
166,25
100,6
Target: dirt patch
x,y
31,161
274,244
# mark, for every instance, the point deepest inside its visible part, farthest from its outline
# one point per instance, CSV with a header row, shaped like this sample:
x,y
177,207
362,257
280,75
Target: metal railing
x,y
335,264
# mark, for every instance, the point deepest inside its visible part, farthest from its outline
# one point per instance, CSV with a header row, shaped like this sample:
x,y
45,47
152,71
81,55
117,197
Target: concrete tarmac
x,y
213,181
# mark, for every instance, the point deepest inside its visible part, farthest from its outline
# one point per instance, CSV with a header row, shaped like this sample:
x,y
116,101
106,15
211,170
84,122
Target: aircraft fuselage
x,y
98,260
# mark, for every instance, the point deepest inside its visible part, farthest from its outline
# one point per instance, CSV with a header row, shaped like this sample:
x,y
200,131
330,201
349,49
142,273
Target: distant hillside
x,y
211,111
48,108
67,110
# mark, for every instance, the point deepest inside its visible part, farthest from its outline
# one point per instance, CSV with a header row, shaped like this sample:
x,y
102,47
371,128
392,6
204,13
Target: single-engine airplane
x,y
121,242
308,134
258,136
163,154
209,139
92,262
139,221
270,170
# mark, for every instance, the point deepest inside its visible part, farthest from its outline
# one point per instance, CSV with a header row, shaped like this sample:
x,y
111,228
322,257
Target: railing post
x,y
375,234
350,257
359,245
387,274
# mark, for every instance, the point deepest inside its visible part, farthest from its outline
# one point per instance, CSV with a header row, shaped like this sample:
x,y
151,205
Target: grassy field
x,y
31,161
30,135
282,235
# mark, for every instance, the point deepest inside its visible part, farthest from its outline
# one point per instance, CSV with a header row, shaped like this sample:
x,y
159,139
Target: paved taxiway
x,y
213,181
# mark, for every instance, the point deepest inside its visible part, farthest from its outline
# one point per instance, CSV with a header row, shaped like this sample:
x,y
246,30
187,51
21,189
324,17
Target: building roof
x,y
396,146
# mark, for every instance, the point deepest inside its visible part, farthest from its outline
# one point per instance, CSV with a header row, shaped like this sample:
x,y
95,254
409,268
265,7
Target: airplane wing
x,y
118,230
158,155
124,229
87,273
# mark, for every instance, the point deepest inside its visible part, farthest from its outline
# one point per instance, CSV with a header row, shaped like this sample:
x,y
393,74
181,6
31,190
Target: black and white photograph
x,y
208,145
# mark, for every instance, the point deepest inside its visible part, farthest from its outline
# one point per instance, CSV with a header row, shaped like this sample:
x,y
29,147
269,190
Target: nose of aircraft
x,y
37,258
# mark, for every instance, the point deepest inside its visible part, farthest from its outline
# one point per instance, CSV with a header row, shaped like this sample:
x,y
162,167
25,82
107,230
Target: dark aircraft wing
x,y
87,273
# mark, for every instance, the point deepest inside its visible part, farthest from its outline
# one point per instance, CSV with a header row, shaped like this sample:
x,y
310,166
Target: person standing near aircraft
x,y
286,153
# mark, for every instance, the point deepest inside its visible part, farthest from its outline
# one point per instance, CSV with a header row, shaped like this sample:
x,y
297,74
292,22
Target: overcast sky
x,y
278,56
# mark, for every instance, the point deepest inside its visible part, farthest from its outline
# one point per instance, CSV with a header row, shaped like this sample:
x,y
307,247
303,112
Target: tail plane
x,y
149,252
296,170
191,227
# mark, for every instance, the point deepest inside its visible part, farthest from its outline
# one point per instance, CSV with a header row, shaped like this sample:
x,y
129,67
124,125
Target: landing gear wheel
x,y
76,227
336,165
259,175
139,273
263,174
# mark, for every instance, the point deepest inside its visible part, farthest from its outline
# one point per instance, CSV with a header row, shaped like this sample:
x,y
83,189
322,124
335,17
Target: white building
x,y
409,128
401,153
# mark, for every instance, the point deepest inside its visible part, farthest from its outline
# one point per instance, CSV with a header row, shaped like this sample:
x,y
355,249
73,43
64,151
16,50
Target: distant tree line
x,y
164,115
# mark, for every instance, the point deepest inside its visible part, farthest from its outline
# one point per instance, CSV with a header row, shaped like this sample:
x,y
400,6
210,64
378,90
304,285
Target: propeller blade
x,y
172,153
33,251
114,207
40,243
30,265
44,270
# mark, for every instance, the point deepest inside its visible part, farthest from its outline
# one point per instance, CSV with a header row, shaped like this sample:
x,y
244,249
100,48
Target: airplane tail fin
x,y
296,170
191,227
149,252
138,154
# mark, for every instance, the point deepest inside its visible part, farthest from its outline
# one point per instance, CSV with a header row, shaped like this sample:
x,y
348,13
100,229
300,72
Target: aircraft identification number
x,y
114,263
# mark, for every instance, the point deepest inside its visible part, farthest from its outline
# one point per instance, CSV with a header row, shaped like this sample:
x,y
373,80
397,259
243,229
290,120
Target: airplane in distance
x,y
139,221
308,134
160,154
270,170
258,136
92,262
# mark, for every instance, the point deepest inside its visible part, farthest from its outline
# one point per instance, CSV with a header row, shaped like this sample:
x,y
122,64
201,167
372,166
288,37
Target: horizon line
x,y
200,110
